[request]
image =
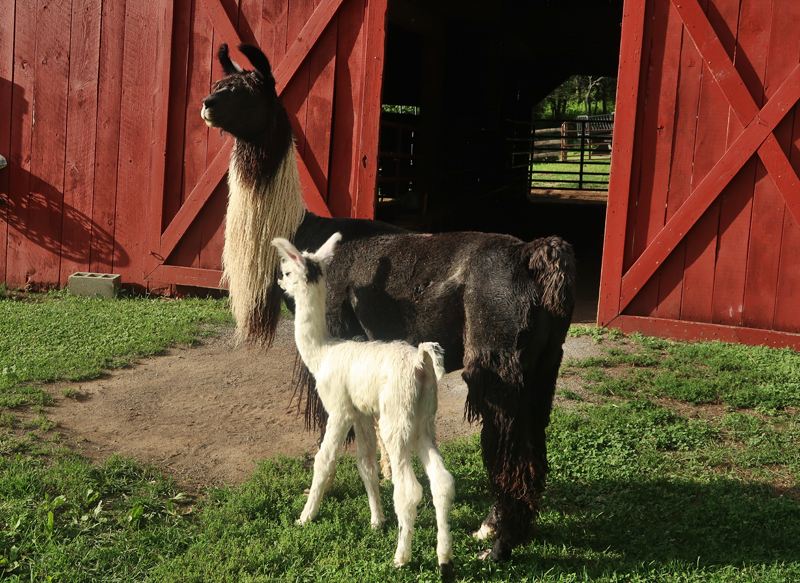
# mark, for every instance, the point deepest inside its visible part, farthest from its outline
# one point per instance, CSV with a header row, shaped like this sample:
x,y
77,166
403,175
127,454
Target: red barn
x,y
112,170
703,225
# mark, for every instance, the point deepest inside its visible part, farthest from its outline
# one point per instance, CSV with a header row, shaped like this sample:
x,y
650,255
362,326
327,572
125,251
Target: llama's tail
x,y
435,354
552,263
431,357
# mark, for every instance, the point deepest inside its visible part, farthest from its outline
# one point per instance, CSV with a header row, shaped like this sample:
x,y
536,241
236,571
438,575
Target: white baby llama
x,y
358,381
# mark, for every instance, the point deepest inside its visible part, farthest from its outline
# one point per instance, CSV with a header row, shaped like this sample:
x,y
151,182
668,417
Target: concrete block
x,y
94,285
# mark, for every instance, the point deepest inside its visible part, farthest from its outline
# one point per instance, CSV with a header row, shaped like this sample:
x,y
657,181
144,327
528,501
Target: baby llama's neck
x,y
310,329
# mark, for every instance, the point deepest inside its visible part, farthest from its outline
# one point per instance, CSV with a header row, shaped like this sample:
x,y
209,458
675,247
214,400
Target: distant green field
x,y
551,174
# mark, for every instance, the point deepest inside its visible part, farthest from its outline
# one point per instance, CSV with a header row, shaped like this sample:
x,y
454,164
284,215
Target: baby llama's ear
x,y
325,253
289,251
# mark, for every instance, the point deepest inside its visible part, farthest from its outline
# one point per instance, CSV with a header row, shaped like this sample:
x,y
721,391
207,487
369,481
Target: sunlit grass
x,y
676,462
549,174
738,376
59,336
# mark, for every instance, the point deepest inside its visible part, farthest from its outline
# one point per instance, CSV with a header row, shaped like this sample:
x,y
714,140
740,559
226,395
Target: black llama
x,y
498,306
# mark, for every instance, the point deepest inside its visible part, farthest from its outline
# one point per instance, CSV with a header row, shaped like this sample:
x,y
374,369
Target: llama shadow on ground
x,y
618,526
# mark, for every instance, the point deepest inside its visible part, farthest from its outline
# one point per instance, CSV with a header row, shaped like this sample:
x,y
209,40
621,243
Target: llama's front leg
x,y
324,464
368,467
443,491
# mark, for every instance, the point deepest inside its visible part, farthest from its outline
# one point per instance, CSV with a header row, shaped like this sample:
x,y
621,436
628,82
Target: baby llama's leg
x,y
368,466
407,490
386,463
325,463
443,492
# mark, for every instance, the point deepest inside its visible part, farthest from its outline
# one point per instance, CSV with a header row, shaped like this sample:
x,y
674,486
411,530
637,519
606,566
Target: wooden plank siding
x,y
656,137
81,137
698,274
103,257
27,252
343,177
615,260
786,17
6,93
712,230
110,167
736,202
670,291
48,142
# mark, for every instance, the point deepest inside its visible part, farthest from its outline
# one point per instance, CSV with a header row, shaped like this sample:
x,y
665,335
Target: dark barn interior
x,y
458,74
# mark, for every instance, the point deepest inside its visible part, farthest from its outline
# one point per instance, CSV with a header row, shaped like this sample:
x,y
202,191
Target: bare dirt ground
x,y
207,414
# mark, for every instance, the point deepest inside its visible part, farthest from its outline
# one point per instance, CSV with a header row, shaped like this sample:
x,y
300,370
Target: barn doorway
x,y
459,77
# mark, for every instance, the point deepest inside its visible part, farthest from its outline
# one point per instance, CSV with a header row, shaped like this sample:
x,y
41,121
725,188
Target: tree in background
x,y
578,95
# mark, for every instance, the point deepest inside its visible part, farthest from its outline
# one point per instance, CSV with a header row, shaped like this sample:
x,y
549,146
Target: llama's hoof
x,y
399,563
484,532
378,525
495,555
298,522
307,492
446,569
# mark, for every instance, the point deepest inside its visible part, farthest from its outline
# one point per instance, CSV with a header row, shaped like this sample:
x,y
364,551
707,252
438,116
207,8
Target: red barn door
x,y
703,225
327,57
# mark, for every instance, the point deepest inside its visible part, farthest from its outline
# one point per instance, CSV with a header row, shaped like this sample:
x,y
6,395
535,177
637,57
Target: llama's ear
x,y
225,60
289,251
325,253
258,60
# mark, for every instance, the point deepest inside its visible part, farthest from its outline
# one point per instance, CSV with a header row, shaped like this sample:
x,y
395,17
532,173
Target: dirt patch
x,y
207,414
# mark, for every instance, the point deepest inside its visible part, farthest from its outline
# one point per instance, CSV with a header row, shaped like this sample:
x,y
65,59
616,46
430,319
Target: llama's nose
x,y
210,100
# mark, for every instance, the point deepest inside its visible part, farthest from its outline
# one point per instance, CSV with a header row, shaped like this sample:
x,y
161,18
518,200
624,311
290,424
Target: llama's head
x,y
300,271
264,196
244,103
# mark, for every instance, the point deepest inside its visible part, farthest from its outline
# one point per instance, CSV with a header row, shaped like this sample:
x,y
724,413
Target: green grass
x,y
652,479
63,520
760,378
546,174
61,337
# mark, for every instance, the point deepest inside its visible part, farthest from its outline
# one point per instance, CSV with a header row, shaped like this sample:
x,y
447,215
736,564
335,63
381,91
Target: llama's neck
x,y
262,205
310,328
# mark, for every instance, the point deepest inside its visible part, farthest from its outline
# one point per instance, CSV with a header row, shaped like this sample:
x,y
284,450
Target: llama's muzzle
x,y
206,115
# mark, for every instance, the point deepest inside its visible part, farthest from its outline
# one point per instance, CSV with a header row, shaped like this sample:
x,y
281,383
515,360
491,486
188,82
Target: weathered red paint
x,y
702,220
120,174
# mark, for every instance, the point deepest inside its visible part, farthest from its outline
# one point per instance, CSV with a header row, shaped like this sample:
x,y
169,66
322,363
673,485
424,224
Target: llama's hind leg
x,y
407,495
443,491
513,443
368,467
324,464
407,491
386,463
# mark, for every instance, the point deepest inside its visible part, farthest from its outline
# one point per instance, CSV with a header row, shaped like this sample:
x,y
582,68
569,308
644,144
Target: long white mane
x,y
257,213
